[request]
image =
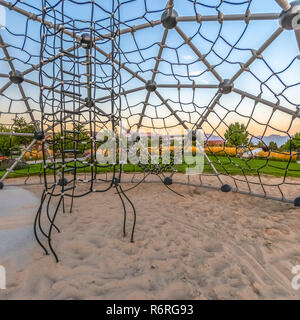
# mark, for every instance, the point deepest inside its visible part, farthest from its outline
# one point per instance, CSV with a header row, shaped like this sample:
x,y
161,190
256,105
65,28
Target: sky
x,y
179,63
2,16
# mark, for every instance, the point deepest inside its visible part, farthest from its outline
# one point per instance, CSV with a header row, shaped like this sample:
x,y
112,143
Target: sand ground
x,y
205,245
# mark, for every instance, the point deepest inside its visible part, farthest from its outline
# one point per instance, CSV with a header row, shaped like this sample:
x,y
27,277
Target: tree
x,y
260,144
5,142
237,135
273,146
263,146
21,126
82,135
292,144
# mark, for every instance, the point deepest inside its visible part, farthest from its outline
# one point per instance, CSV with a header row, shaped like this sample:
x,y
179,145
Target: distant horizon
x,y
262,77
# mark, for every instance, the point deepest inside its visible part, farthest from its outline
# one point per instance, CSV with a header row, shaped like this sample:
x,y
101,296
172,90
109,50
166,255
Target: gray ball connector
x,y
169,21
86,41
226,86
287,17
151,86
16,77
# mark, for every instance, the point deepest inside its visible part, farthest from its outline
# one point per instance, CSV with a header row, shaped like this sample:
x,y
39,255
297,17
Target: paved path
x,y
17,210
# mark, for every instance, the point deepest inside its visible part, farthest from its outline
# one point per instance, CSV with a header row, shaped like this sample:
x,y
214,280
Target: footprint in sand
x,y
214,247
220,267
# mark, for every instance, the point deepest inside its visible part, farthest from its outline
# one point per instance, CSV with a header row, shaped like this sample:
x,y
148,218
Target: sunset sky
x,y
179,63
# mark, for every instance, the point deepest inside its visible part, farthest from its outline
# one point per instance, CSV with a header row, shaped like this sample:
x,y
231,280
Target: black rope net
x,y
71,69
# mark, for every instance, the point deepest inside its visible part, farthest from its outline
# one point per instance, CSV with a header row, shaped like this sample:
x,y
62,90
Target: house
x,y
211,140
252,153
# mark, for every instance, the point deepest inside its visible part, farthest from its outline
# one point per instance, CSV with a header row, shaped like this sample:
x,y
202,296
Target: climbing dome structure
x,y
71,69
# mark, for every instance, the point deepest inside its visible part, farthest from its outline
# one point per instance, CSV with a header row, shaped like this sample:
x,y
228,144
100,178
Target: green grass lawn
x,y
224,165
237,166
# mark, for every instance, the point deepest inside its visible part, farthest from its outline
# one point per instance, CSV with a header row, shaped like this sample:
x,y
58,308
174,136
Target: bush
x,y
222,151
279,156
4,164
35,155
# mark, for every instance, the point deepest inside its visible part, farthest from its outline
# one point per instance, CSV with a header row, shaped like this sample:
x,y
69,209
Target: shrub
x,y
222,151
279,156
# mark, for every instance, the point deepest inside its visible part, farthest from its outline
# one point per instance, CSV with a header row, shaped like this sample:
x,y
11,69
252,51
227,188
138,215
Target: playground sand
x,y
205,245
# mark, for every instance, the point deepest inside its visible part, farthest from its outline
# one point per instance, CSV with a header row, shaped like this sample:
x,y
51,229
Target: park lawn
x,y
237,166
224,165
37,169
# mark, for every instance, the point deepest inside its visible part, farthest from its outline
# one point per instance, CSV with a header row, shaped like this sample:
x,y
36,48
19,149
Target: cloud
x,y
188,57
2,17
195,73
